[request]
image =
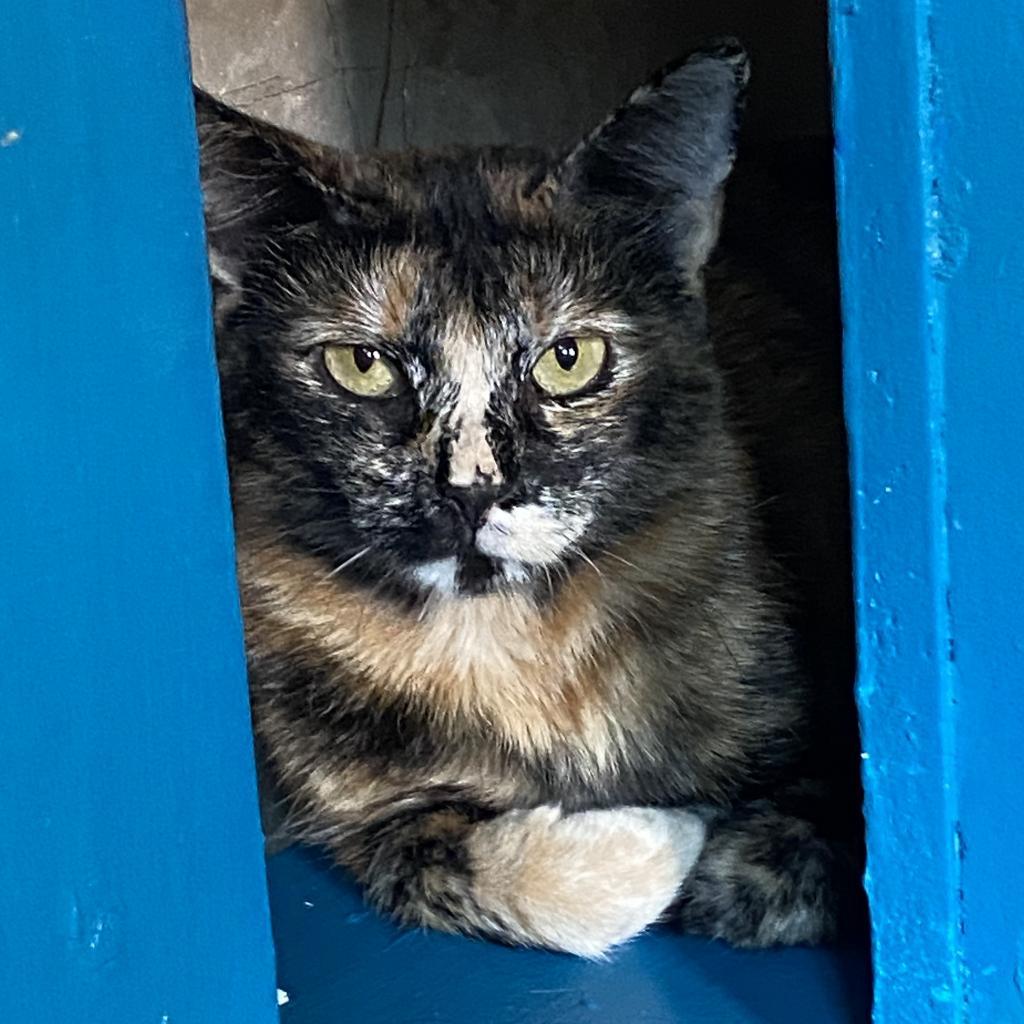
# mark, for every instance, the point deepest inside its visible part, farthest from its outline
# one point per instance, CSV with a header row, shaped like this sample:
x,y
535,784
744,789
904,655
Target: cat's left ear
x,y
662,159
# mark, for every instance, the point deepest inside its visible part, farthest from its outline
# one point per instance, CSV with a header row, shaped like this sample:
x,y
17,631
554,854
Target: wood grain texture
x,y
132,878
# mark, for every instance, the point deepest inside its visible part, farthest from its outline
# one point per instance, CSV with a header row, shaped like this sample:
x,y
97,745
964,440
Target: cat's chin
x,y
467,577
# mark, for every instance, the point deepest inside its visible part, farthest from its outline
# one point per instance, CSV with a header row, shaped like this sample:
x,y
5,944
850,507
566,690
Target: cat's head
x,y
460,372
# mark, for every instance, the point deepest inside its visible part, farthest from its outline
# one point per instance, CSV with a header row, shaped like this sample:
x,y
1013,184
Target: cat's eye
x,y
363,370
570,364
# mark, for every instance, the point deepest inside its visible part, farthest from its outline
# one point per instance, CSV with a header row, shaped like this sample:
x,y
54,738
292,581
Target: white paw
x,y
585,882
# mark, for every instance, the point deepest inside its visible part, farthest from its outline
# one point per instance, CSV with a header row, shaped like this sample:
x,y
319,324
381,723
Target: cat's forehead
x,y
470,257
455,187
411,295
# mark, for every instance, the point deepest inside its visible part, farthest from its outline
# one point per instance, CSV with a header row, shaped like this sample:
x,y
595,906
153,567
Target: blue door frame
x,y
131,874
929,129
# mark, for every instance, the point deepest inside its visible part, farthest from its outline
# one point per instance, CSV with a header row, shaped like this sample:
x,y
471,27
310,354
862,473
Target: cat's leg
x,y
765,878
581,883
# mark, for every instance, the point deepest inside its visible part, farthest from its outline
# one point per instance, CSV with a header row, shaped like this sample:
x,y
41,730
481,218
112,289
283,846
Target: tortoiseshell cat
x,y
521,655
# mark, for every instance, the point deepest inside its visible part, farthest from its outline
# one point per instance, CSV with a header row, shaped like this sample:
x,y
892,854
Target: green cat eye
x,y
570,364
363,370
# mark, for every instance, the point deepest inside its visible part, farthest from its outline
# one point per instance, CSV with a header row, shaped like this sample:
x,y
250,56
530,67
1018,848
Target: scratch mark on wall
x,y
1018,969
94,931
386,83
946,238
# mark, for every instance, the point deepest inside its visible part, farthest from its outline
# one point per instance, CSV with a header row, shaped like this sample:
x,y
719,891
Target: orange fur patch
x,y
584,882
536,679
517,195
401,276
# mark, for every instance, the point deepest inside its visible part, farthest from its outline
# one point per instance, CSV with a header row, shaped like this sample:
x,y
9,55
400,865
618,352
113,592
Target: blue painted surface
x,y
978,129
131,877
929,123
340,961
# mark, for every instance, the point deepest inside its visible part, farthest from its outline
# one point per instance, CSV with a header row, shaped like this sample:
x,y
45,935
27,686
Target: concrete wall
x,y
364,73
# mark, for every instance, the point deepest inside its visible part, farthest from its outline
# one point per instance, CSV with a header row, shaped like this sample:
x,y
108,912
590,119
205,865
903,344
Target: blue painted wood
x,y
131,880
977,129
928,123
894,409
340,961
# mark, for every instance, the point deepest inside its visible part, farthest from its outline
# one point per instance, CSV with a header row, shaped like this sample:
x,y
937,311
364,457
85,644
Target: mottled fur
x,y
511,657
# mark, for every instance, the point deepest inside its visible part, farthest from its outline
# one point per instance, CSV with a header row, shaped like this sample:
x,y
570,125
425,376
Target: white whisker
x,y
579,551
349,561
619,558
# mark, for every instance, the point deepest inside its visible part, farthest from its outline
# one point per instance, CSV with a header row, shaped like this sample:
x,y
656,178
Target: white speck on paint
x,y
10,138
865,756
306,903
282,997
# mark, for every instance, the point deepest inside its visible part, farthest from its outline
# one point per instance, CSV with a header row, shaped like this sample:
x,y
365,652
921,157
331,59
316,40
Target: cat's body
x,y
523,661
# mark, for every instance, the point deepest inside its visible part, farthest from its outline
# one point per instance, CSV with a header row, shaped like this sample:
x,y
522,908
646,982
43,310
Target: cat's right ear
x,y
256,179
259,180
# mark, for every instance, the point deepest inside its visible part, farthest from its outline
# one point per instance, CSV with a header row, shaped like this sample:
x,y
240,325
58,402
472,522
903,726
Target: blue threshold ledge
x,y
339,962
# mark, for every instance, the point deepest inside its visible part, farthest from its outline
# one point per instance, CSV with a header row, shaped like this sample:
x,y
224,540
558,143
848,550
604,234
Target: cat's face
x,y
453,374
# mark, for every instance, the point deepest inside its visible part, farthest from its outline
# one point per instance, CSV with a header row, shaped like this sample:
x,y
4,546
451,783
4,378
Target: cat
x,y
522,656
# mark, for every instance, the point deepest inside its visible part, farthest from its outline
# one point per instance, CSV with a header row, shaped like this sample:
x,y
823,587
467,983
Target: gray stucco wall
x,y
363,73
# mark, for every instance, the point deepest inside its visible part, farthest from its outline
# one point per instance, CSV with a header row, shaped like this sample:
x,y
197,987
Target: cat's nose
x,y
473,502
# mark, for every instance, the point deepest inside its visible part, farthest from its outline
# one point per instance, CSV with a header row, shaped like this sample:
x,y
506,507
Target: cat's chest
x,y
540,683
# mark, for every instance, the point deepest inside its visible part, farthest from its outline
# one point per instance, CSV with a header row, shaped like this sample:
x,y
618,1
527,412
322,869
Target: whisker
x,y
619,558
582,554
349,561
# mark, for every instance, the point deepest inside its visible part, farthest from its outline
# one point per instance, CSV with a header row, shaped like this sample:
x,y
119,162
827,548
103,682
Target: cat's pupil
x,y
566,354
364,357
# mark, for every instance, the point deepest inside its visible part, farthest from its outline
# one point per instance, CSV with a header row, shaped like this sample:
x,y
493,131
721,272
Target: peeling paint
x,y
1018,970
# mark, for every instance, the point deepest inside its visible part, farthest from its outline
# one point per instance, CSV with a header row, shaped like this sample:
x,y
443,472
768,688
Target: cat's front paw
x,y
585,882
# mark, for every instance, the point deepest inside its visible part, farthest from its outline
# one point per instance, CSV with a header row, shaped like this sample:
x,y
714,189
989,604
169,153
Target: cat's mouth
x,y
476,574
508,550
469,574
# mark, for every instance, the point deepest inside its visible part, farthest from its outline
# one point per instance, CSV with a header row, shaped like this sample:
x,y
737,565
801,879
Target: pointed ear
x,y
662,159
255,178
259,180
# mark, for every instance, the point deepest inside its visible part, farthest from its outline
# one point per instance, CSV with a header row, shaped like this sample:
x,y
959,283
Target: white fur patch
x,y
586,882
438,576
529,534
515,572
471,455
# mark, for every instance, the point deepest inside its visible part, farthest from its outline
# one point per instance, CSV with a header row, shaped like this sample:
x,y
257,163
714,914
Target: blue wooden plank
x,y
131,879
929,124
977,126
340,961
895,402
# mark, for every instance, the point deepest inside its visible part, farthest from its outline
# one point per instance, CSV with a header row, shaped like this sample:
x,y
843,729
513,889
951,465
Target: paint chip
x,y
10,138
282,997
